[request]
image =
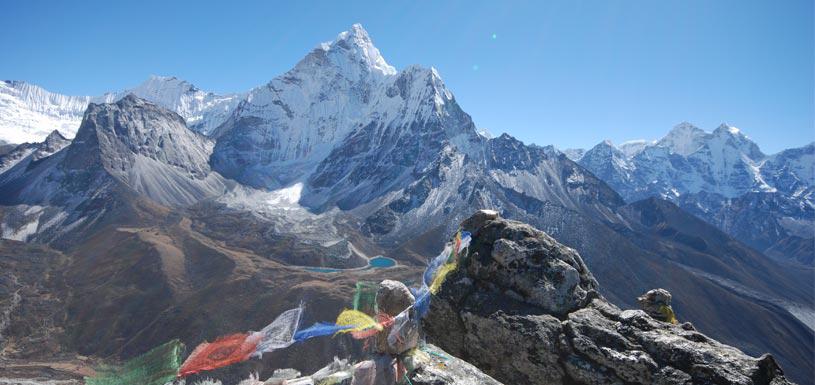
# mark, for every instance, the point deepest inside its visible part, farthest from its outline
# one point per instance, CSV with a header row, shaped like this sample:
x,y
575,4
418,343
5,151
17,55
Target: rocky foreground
x,y
526,310
523,309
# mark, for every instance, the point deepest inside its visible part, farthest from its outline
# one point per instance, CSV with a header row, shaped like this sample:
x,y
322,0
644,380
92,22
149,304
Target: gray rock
x,y
526,310
657,303
445,369
286,374
392,298
381,370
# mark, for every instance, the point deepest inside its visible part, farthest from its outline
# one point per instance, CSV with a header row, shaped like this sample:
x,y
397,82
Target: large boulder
x,y
525,309
392,298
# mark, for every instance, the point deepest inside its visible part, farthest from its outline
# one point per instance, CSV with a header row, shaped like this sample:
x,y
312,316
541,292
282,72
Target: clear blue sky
x,y
568,73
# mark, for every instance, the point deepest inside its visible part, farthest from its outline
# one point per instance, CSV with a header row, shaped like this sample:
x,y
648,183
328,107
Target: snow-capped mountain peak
x,y
722,177
342,89
684,138
729,138
203,111
726,128
351,56
356,44
633,147
164,87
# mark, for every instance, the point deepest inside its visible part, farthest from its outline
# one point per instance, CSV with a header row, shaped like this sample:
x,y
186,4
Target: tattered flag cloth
x,y
437,271
319,329
365,298
357,320
382,321
404,323
434,265
422,304
156,367
279,334
222,352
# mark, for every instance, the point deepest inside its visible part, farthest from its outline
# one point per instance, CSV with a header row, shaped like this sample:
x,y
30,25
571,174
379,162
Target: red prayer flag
x,y
224,351
383,321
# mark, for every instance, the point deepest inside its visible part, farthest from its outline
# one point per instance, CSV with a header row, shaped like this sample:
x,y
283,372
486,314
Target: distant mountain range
x,y
168,194
28,113
765,201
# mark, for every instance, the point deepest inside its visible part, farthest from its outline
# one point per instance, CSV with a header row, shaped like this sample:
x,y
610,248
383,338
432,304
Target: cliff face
x,y
525,309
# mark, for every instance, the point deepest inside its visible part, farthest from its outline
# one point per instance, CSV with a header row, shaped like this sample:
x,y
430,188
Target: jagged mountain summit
x,y
130,147
340,91
28,113
723,177
33,152
345,157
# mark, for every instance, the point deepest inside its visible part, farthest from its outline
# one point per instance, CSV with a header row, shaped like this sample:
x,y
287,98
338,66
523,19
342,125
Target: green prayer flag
x,y
365,298
156,367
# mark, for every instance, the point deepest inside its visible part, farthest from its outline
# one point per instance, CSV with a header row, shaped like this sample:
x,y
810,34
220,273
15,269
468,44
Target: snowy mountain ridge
x,y
28,113
721,176
281,131
689,160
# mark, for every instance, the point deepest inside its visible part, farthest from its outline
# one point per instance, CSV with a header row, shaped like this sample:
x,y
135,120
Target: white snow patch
x,y
288,196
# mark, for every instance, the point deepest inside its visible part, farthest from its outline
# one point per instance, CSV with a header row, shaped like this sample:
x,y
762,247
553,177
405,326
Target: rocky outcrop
x,y
657,304
392,298
526,310
442,369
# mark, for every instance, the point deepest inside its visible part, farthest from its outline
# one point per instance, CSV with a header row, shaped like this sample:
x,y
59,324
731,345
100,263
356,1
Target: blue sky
x,y
568,73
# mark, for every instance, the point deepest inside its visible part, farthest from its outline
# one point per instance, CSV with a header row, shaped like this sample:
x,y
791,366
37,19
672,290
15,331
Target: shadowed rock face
x,y
525,309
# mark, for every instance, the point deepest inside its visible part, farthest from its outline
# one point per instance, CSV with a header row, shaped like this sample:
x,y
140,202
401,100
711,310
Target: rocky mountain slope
x,y
342,158
526,309
127,148
33,152
722,177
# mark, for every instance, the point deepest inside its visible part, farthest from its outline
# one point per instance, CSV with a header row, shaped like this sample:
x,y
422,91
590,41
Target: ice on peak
x,y
356,44
683,139
685,125
634,142
434,72
604,149
726,128
484,133
157,86
163,78
634,147
203,111
356,32
684,130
